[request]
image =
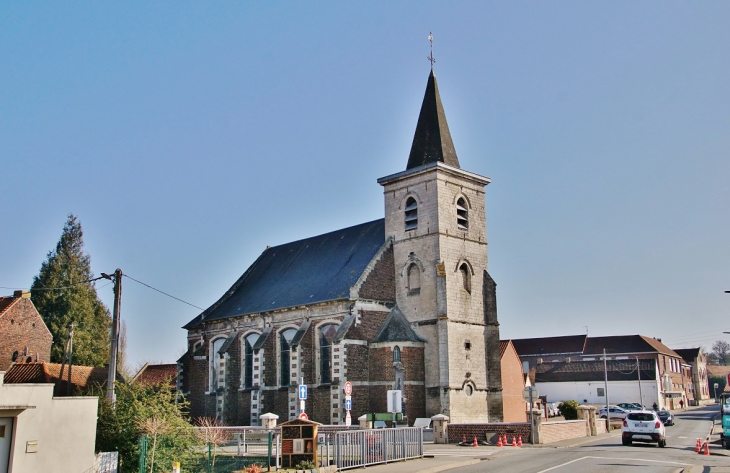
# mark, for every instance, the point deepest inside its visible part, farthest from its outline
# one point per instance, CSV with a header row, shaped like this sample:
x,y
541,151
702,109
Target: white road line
x,y
465,454
680,437
612,458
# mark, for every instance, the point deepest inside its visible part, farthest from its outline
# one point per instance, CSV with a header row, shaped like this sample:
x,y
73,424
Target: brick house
x,y
571,367
513,383
403,302
25,336
699,385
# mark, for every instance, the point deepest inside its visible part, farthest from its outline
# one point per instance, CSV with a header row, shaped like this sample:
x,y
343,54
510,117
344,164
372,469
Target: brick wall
x,y
22,327
456,432
513,383
370,323
600,426
380,283
562,430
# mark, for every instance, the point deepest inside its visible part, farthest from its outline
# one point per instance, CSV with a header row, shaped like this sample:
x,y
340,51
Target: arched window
x,y
462,214
414,279
411,215
285,339
396,354
465,277
248,342
326,336
217,365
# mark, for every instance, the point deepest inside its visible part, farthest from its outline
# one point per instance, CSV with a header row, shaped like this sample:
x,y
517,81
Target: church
x,y
400,303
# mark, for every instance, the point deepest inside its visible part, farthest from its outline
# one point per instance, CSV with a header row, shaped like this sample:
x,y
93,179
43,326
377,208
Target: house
x,y
157,375
41,432
25,336
700,384
514,381
572,367
67,380
404,302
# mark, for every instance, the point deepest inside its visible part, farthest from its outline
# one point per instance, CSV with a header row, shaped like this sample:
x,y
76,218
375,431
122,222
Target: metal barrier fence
x,y
360,448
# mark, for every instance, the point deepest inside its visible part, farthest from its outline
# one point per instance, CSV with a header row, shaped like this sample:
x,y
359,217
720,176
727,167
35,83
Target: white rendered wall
x,y
586,392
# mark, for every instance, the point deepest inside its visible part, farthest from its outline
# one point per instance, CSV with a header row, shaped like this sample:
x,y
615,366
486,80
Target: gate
x,y
354,449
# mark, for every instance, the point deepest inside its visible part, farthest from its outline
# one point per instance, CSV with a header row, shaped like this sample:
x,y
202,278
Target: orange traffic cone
x,y
707,449
505,440
698,447
499,443
519,441
475,444
514,441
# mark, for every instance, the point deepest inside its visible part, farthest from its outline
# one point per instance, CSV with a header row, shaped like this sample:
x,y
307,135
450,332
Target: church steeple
x,y
432,140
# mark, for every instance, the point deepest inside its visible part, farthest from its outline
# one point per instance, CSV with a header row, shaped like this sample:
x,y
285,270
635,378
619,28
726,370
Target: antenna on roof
x,y
586,330
430,56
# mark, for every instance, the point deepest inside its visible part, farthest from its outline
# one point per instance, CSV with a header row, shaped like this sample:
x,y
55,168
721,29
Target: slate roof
x,y
626,344
550,345
580,371
317,269
432,140
82,377
688,354
396,328
155,375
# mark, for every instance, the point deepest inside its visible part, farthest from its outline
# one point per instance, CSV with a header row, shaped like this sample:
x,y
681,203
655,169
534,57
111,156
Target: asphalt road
x,y
608,455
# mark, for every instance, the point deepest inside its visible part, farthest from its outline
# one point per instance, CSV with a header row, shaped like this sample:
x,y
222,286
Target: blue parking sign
x,y
302,391
348,404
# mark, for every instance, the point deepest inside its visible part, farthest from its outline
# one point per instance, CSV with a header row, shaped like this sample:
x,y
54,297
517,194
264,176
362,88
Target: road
x,y
608,455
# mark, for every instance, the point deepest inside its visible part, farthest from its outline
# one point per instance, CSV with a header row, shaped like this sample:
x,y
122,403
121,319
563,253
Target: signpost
x,y
348,403
302,390
529,394
395,400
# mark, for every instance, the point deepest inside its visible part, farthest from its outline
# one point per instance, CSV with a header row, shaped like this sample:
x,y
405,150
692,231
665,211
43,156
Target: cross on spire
x,y
430,56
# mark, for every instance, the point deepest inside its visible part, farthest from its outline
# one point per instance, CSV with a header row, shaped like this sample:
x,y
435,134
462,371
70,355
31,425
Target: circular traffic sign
x,y
304,416
348,388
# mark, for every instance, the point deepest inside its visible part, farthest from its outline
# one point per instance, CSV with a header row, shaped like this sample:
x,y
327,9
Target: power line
x,y
53,288
162,292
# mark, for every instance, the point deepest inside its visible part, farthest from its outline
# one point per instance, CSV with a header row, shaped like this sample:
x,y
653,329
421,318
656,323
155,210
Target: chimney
x,y
21,294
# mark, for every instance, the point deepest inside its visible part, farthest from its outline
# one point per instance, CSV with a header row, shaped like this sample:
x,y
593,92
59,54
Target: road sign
x,y
728,380
302,391
348,404
526,394
395,397
301,405
304,416
348,388
348,419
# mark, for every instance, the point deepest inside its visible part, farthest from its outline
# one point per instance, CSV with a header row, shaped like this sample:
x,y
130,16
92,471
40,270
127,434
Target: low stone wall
x,y
600,426
562,430
456,432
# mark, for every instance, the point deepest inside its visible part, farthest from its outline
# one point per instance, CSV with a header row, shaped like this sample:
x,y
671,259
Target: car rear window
x,y
640,416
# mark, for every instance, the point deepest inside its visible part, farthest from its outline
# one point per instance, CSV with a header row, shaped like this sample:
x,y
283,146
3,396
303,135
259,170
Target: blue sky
x,y
188,136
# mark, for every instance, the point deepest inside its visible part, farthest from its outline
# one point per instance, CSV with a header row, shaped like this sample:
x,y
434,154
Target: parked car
x,y
615,412
666,417
630,406
552,409
643,426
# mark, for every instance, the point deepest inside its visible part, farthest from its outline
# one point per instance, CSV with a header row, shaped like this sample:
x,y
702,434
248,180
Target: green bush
x,y
569,409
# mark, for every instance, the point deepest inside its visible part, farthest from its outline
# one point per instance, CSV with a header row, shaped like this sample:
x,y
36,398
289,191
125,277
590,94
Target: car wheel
x,y
625,442
662,443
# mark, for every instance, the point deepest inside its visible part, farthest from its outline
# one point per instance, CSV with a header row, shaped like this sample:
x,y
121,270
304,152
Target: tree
x,y
720,353
147,410
63,295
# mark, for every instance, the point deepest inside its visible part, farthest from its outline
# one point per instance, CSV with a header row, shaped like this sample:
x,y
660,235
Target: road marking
x,y
460,454
611,458
680,437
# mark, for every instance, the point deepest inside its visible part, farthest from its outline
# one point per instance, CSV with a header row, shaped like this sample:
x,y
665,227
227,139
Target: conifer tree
x,y
62,294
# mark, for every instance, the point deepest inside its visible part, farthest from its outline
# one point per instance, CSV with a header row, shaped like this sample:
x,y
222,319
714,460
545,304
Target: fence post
x,y
142,454
210,460
268,463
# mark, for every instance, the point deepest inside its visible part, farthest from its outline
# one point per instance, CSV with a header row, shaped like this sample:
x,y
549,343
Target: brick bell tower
x,y
435,214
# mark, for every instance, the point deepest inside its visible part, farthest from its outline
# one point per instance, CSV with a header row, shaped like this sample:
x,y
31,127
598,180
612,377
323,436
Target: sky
x,y
188,136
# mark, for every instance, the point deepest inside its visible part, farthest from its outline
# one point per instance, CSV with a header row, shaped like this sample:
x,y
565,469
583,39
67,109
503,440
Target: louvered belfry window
x,y
285,340
411,216
249,342
462,214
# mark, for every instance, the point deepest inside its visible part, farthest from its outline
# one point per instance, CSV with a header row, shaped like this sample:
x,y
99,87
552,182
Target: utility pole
x,y
605,375
68,355
115,334
638,371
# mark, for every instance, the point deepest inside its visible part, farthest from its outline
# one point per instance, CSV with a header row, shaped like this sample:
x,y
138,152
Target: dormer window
x,y
411,215
462,214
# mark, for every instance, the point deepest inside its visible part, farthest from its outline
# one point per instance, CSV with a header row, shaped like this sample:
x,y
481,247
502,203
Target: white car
x,y
616,412
643,426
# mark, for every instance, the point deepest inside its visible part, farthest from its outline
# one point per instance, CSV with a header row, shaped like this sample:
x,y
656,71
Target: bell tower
x,y
435,214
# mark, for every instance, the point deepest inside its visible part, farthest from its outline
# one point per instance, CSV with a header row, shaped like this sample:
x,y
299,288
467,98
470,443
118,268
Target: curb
x,y
450,466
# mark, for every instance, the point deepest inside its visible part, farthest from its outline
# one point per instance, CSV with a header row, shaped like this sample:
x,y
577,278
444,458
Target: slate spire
x,y
432,140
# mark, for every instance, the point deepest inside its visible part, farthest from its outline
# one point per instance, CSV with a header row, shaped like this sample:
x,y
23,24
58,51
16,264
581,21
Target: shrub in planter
x,y
569,409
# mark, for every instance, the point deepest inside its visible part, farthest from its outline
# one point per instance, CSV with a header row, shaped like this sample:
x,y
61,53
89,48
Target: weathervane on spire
x,y
430,56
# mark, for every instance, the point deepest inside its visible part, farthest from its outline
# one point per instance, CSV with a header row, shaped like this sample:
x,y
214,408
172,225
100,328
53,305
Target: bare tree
x,y
210,432
153,426
720,353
